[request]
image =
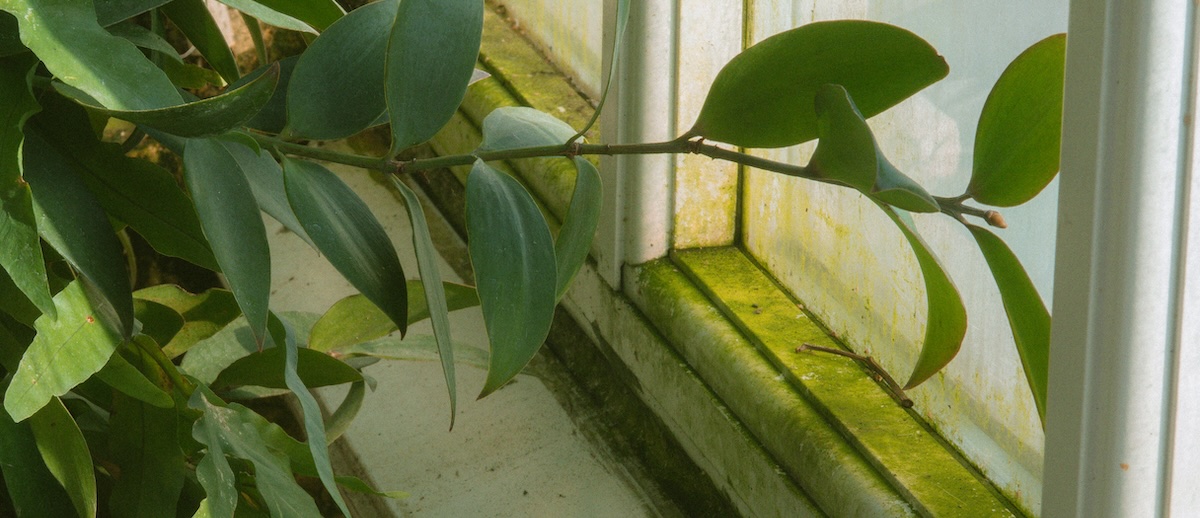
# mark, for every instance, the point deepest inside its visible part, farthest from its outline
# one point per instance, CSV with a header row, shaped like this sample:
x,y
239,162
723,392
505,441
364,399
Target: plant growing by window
x,y
140,388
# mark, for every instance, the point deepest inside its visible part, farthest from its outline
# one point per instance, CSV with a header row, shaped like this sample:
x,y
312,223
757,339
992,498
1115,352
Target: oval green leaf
x,y
763,98
20,246
574,240
431,57
512,127
355,319
1027,314
203,314
73,46
207,117
230,218
349,236
946,318
337,88
266,180
512,254
1020,130
265,369
66,454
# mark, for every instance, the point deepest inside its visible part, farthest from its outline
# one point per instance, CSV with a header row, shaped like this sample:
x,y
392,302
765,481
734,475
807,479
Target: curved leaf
x,y
337,88
763,98
269,15
65,35
431,57
64,353
435,297
229,215
512,127
145,38
203,314
622,22
848,154
20,246
1027,314
66,454
119,374
512,254
946,318
1020,129
339,421
272,117
317,13
574,239
349,236
195,21
355,319
72,221
414,348
265,369
207,117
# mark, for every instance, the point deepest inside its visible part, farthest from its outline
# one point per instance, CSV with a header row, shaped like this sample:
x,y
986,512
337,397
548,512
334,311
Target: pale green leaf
x,y
229,216
203,314
349,236
435,297
431,56
763,98
337,88
512,254
205,360
65,452
513,127
144,38
574,239
1020,130
318,13
614,61
339,421
265,369
355,319
1027,314
269,15
73,46
65,352
119,374
420,348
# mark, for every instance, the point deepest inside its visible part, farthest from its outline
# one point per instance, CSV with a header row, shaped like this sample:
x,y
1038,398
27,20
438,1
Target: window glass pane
x,y
850,266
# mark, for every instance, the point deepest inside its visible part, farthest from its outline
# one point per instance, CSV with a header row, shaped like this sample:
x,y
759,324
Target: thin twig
x,y
877,370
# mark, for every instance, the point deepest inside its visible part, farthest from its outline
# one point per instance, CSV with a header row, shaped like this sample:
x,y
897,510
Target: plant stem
x,y
680,145
877,370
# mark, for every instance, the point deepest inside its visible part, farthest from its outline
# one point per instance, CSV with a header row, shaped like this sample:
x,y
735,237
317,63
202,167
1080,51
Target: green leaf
x,y
144,38
65,352
314,426
137,192
229,215
32,489
317,13
203,314
349,236
1027,314
512,254
848,154
195,21
10,37
66,454
109,12
207,117
763,98
518,127
14,304
71,220
159,321
420,348
622,23
20,247
144,445
265,369
337,88
210,356
574,239
341,418
187,75
355,319
65,35
269,15
1020,129
435,298
272,117
431,56
946,319
119,374
223,431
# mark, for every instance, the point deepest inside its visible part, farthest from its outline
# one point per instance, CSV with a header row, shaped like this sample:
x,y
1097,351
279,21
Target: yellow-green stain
x,y
917,463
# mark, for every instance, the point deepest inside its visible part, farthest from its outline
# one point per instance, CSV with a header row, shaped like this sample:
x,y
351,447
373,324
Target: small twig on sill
x,y
877,370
